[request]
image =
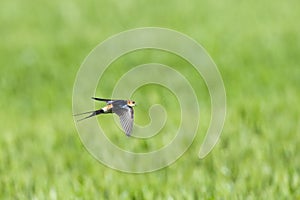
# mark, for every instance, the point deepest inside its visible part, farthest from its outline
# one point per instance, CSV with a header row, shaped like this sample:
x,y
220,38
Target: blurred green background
x,y
256,46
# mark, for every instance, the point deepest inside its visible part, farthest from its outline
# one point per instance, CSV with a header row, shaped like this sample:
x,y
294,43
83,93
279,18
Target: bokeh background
x,y
256,46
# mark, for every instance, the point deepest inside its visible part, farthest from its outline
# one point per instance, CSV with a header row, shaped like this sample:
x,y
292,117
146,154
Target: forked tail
x,y
93,113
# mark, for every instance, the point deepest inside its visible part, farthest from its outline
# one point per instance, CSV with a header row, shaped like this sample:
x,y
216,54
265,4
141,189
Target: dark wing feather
x,y
108,101
100,99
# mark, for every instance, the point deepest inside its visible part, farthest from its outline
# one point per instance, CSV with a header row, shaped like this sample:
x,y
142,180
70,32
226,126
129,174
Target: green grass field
x,y
256,46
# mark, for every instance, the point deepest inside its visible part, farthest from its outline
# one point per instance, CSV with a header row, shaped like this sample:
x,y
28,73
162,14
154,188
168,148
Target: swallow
x,y
123,108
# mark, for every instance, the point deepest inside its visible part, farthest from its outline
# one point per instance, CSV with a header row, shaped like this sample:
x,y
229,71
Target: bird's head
x,y
131,103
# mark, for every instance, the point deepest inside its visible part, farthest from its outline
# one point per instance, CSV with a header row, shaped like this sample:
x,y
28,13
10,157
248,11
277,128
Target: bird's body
x,y
123,108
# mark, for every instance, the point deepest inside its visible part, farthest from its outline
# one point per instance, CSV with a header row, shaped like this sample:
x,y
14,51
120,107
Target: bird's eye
x,y
133,102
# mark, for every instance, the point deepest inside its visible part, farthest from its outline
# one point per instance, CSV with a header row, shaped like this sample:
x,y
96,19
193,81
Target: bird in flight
x,y
123,108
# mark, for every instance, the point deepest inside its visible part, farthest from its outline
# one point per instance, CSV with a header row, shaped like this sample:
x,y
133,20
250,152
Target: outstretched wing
x,y
126,118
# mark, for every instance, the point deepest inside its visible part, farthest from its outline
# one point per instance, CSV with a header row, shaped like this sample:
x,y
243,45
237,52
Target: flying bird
x,y
123,108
